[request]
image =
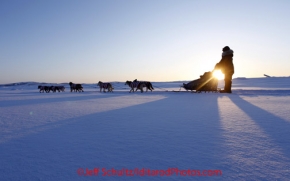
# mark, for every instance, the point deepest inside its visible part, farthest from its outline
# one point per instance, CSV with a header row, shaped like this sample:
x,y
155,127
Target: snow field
x,y
51,136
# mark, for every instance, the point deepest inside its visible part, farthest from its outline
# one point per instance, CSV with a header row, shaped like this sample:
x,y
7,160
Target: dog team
x,y
134,85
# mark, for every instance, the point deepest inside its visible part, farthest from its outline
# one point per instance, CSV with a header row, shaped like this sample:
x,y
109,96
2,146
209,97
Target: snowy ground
x,y
63,136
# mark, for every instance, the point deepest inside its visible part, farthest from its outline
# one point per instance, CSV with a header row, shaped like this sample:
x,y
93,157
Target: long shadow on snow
x,y
275,127
11,103
176,132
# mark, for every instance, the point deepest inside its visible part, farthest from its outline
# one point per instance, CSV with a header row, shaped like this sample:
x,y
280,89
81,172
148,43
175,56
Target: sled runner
x,y
207,83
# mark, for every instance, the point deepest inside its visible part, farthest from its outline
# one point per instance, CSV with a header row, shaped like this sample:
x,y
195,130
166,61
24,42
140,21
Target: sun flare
x,y
218,74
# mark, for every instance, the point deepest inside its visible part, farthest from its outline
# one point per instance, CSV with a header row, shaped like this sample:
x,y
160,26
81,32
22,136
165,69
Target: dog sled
x,y
207,83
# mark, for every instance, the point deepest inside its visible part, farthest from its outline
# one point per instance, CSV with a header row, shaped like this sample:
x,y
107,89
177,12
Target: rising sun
x,y
218,74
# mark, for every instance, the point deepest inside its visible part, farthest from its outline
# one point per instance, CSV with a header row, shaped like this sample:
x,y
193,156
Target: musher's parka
x,y
227,67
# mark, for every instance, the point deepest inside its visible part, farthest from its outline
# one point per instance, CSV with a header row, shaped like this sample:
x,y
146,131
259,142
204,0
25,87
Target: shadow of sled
x,y
207,83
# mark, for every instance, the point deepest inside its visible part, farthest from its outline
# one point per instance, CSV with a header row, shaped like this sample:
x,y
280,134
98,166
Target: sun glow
x,y
218,74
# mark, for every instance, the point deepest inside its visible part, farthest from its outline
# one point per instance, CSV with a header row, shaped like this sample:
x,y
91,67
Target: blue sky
x,y
158,40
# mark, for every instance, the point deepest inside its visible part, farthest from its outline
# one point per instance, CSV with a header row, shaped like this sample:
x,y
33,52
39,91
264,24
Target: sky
x,y
156,40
